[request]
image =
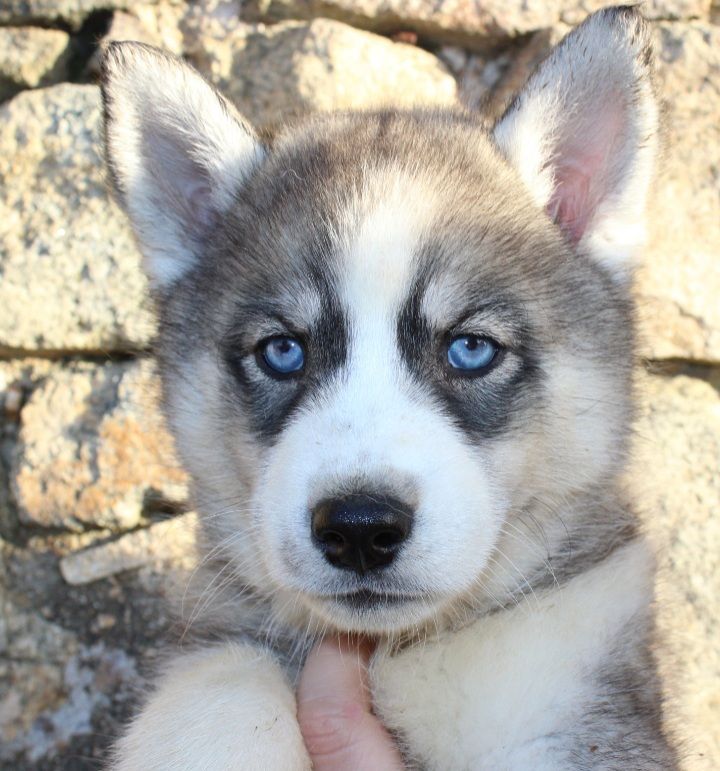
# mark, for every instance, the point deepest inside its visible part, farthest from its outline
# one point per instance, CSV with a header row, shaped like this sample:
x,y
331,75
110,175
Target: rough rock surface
x,y
293,69
161,22
130,551
473,25
58,226
680,494
17,380
680,284
92,449
31,57
70,12
73,660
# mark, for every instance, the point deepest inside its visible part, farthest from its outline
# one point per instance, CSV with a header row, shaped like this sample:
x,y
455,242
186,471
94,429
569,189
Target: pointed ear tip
x,y
117,51
625,15
114,58
629,19
627,11
118,56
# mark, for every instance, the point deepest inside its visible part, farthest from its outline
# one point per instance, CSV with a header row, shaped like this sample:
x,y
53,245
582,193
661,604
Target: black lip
x,y
366,599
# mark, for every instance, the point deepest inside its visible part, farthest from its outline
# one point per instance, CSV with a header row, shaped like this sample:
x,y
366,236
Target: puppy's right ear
x,y
177,151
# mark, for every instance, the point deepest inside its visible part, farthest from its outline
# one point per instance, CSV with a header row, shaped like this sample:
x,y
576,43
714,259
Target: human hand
x,y
335,712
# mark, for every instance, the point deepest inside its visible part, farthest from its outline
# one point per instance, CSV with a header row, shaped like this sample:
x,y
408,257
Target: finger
x,y
334,711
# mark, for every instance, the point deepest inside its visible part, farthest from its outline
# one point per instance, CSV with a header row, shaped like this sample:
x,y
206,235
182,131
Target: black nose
x,y
361,532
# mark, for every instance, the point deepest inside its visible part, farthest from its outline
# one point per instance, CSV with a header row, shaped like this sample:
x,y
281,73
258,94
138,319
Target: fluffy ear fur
x,y
582,134
177,152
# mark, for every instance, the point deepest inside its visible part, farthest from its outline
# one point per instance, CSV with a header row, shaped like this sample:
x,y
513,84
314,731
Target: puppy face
x,y
383,341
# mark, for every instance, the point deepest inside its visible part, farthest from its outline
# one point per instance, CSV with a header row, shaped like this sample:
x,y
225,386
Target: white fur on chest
x,y
505,692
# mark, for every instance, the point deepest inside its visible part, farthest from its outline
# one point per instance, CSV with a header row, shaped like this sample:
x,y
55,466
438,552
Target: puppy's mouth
x,y
369,600
366,599
373,611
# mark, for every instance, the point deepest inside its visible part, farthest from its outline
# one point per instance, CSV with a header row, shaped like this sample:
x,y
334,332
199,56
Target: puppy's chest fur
x,y
525,687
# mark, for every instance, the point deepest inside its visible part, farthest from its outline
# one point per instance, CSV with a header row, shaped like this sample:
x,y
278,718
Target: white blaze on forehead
x,y
387,223
385,226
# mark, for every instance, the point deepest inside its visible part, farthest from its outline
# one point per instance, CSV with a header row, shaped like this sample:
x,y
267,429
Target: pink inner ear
x,y
570,204
584,172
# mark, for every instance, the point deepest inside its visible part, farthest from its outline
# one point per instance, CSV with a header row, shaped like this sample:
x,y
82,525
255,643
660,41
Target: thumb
x,y
334,711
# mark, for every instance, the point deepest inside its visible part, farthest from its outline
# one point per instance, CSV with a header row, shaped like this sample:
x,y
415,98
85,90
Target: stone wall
x,y
94,516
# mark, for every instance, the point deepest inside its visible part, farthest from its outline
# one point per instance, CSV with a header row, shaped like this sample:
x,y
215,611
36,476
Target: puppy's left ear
x,y
582,134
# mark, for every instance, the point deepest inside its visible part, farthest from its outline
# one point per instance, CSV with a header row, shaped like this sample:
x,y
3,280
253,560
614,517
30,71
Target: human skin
x,y
335,712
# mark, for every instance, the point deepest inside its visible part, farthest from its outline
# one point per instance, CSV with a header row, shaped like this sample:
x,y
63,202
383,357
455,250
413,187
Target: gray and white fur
x,y
511,594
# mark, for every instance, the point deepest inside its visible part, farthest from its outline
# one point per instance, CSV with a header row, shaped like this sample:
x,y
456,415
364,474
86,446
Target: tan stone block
x,y
71,277
294,69
31,57
474,25
678,482
93,449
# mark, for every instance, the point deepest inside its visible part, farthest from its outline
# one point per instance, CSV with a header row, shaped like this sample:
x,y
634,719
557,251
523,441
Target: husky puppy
x,y
397,353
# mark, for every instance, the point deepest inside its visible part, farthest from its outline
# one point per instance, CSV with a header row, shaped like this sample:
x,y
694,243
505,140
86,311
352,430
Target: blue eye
x,y
471,353
284,355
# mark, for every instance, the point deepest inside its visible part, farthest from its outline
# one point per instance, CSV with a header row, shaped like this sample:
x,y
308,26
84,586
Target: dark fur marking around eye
x,y
481,407
269,402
